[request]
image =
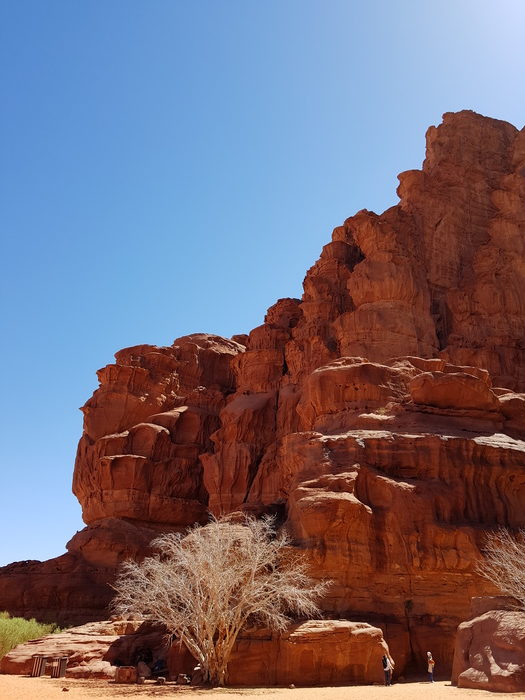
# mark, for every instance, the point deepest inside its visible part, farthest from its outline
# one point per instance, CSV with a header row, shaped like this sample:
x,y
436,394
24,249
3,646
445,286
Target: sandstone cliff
x,y
380,417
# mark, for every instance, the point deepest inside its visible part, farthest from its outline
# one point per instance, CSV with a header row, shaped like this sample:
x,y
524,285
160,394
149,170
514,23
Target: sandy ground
x,y
24,688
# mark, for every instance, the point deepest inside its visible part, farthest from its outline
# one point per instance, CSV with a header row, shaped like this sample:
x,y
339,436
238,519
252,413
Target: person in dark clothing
x,y
388,667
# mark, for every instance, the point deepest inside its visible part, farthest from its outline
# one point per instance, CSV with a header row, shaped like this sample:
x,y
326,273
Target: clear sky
x,y
171,167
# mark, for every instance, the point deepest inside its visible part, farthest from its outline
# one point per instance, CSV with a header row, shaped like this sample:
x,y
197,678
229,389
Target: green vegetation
x,y
382,411
15,630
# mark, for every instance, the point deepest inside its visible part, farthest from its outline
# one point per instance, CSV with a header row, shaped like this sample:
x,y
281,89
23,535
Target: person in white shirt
x,y
388,667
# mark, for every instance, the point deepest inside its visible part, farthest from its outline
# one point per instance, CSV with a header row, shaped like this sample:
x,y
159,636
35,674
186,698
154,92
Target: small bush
x,y
16,630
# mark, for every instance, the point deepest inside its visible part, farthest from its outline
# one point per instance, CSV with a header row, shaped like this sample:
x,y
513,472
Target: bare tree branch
x,y
503,563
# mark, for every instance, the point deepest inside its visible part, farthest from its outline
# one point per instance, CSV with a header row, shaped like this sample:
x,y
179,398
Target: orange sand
x,y
24,688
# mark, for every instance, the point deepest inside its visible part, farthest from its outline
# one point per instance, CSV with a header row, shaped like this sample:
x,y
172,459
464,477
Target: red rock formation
x,y
380,417
145,427
318,652
92,649
490,652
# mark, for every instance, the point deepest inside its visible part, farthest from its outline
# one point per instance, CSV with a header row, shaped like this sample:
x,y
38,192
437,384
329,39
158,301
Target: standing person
x,y
388,667
430,667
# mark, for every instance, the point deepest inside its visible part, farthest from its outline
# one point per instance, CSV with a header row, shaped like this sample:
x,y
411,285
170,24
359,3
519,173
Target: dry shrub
x,y
503,563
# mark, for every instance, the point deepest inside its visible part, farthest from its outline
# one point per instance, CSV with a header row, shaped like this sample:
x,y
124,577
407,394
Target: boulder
x,y
317,652
94,650
490,652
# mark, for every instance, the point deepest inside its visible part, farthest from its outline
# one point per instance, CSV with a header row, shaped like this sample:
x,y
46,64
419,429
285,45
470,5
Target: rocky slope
x,y
380,417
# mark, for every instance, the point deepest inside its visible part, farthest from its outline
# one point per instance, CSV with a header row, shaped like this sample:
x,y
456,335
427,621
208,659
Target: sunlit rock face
x,y
489,652
380,417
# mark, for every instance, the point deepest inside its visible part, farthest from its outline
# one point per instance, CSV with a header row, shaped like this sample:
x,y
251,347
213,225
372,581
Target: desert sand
x,y
24,688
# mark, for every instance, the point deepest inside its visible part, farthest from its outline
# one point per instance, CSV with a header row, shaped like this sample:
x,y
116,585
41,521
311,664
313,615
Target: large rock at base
x,y
92,649
317,652
490,652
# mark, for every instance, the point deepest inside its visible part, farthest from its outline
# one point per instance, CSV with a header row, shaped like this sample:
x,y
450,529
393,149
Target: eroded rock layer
x,y
381,417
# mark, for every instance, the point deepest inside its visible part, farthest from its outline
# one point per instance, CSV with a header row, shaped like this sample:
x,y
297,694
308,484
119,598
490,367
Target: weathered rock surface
x,y
74,588
318,652
92,648
490,652
313,653
381,417
145,427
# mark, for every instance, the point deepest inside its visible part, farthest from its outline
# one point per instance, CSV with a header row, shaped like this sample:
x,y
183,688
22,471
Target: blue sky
x,y
171,167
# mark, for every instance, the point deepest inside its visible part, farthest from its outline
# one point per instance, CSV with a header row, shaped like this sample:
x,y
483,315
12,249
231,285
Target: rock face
x,y
380,417
92,649
318,652
490,652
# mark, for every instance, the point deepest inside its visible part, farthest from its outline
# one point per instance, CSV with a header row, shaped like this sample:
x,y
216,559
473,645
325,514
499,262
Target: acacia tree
x,y
206,586
503,563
